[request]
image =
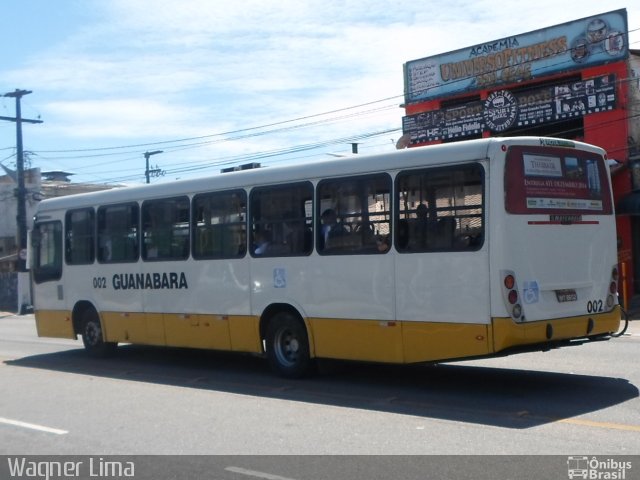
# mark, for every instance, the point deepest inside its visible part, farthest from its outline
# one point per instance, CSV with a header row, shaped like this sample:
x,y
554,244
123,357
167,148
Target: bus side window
x,y
354,215
219,227
80,236
281,220
165,229
118,234
440,209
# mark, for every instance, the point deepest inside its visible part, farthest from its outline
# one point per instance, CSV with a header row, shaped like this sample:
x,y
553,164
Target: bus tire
x,y
287,345
92,337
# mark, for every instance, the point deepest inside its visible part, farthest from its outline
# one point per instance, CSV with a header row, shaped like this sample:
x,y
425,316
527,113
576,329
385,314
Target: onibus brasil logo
x,y
597,469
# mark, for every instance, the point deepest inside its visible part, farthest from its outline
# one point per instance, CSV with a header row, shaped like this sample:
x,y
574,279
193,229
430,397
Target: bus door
x,y
52,317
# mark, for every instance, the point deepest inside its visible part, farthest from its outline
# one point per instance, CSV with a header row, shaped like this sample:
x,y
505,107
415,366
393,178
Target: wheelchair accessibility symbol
x,y
279,278
531,292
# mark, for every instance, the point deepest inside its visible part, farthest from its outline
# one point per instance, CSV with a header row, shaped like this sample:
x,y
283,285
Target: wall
x,y
9,291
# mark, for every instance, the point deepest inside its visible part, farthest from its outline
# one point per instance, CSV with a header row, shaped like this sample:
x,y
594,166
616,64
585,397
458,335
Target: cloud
x,y
156,70
118,118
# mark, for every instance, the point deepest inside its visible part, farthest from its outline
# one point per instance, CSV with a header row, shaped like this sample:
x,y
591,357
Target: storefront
x,y
578,80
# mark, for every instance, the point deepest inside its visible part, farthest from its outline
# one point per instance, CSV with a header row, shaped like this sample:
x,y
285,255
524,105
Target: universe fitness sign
x,y
503,110
574,45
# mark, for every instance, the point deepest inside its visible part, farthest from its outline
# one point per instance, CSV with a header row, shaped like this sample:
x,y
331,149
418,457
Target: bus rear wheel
x,y
92,337
287,346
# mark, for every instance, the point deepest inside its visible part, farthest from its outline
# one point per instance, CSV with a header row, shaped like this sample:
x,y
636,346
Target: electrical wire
x,y
283,126
296,149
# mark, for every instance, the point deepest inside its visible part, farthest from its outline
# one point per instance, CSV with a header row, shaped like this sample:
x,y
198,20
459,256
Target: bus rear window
x,y
558,181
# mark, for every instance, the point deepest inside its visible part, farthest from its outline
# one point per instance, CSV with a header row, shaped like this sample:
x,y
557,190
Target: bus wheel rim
x,y
93,333
287,348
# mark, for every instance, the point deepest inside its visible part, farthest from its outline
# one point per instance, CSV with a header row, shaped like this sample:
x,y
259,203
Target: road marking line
x,y
609,425
254,473
32,426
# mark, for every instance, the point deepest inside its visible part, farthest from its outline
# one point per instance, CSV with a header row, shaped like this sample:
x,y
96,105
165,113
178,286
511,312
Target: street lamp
x,y
146,157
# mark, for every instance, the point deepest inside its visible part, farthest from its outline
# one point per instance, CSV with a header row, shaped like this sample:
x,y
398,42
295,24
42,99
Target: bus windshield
x,y
556,181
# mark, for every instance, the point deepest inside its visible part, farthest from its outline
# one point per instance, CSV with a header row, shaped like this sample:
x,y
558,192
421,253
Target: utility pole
x,y
146,157
21,191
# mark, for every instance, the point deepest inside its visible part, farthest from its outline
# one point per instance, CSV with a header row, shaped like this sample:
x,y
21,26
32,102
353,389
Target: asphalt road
x,y
54,400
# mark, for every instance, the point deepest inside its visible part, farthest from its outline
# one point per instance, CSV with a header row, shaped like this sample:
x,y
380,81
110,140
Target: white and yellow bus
x,y
469,249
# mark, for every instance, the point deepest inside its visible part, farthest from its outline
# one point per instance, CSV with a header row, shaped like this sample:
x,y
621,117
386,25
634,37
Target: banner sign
x,y
504,110
574,45
561,182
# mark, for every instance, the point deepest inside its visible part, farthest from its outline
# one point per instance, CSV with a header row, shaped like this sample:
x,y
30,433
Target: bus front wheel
x,y
92,337
287,346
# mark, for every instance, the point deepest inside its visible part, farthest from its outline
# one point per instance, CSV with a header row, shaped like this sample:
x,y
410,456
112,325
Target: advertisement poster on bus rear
x,y
540,181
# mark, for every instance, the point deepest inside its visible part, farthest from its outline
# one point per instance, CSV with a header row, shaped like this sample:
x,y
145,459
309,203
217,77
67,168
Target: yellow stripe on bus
x,y
368,340
397,342
218,332
349,339
54,323
507,333
433,341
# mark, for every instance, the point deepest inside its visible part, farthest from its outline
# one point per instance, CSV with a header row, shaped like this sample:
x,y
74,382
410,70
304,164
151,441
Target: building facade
x,y
15,287
578,80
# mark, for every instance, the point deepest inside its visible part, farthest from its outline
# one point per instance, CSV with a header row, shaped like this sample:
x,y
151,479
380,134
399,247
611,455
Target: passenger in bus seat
x,y
297,236
261,242
105,249
331,229
382,243
421,227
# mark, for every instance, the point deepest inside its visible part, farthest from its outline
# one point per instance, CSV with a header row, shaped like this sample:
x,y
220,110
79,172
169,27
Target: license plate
x,y
566,295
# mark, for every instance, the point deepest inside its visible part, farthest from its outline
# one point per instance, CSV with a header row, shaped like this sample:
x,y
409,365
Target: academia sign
x,y
574,45
503,110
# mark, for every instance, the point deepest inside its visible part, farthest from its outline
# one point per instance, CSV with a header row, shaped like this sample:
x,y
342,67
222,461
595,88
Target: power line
x,y
302,118
282,126
237,131
198,165
210,165
222,161
253,129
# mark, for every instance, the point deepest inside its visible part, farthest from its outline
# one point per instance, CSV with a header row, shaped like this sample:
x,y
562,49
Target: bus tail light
x,y
510,295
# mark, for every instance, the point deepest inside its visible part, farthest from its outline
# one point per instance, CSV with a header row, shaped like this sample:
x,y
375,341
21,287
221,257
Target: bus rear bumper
x,y
508,334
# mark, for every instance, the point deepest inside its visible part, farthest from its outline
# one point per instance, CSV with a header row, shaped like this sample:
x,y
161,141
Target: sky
x,y
215,83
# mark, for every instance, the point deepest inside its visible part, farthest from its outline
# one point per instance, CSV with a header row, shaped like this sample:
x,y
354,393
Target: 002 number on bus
x,y
595,306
